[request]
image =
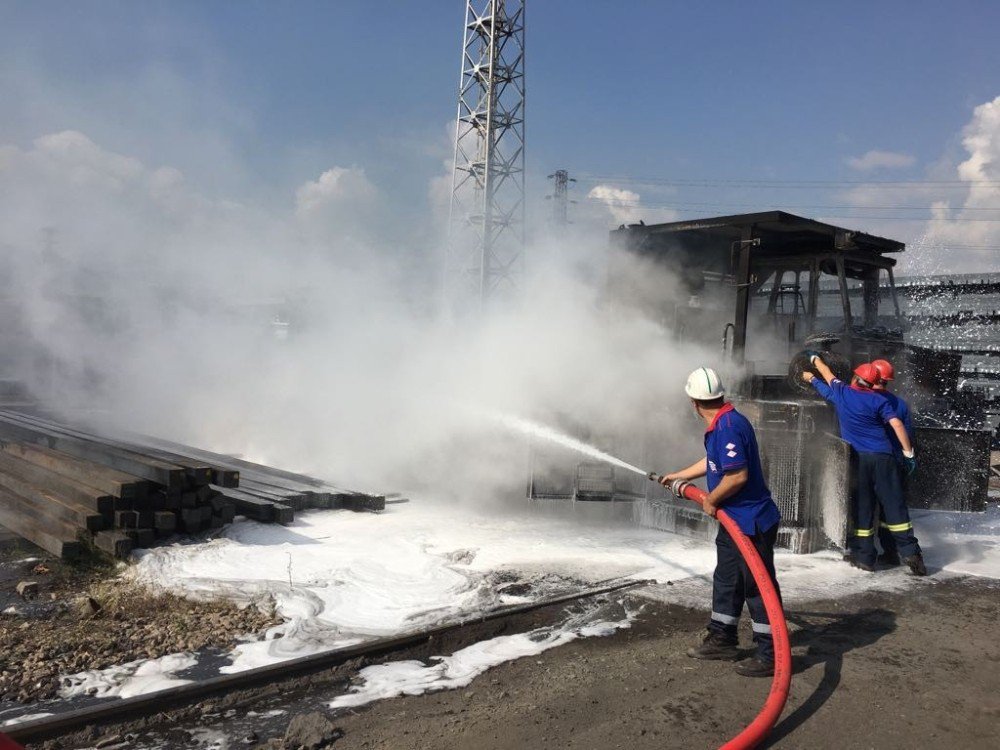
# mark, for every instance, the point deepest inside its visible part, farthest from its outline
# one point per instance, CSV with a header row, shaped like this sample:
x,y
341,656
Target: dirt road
x,y
913,670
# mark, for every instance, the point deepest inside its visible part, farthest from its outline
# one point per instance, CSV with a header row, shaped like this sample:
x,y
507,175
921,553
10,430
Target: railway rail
x,y
129,710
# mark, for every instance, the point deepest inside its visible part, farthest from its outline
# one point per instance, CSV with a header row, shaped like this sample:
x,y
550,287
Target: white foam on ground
x,y
461,668
130,679
361,576
23,718
354,577
961,543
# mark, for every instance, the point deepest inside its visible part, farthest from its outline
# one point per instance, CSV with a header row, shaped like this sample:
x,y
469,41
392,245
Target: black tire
x,y
840,365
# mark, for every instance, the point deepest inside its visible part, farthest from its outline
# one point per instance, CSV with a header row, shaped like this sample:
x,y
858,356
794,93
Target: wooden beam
x,y
115,543
109,481
144,467
198,474
45,508
80,494
54,541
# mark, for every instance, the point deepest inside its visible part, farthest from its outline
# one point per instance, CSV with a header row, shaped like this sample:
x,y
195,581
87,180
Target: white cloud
x,y
337,187
621,203
338,210
875,159
966,227
961,195
625,206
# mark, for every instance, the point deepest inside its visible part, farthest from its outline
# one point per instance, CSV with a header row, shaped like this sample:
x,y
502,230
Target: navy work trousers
x,y
886,539
880,485
733,585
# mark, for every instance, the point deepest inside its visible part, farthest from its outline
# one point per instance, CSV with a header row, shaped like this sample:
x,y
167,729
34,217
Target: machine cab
x,y
763,286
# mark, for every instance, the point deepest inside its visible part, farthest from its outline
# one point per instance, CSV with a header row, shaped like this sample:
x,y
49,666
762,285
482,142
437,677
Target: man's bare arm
x,y
731,483
698,469
821,367
904,439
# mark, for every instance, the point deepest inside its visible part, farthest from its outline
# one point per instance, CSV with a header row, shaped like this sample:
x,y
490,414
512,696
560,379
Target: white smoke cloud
x,y
131,293
875,159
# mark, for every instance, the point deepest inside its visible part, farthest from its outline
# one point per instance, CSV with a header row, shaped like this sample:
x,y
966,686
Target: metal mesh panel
x,y
782,427
781,456
595,478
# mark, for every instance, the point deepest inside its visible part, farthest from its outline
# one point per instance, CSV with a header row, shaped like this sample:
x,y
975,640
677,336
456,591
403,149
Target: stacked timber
x,y
64,488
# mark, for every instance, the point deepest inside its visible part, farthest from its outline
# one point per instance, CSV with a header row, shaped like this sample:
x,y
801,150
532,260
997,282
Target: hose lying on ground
x,y
757,730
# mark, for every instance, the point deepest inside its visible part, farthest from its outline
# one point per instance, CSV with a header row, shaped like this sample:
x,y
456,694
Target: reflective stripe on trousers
x,y
896,526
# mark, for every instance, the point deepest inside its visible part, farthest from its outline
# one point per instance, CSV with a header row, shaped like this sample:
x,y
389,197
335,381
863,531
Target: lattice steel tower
x,y
486,217
560,197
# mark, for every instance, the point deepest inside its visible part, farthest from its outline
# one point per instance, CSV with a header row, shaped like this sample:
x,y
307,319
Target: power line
x,y
842,206
687,208
789,184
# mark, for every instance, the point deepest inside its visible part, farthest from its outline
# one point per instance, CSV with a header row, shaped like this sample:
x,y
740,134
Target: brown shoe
x,y
755,667
715,647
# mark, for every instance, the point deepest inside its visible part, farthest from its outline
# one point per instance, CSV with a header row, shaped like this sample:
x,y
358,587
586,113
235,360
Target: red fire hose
x,y
6,743
757,730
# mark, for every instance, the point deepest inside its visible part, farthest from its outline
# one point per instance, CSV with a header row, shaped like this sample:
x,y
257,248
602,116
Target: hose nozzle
x,y
678,486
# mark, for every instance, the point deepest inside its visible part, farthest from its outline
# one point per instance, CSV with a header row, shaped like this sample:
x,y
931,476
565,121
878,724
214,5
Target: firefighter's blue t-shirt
x,y
730,445
902,410
863,415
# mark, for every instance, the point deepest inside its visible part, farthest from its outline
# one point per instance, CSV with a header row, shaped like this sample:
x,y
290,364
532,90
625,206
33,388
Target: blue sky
x,y
262,96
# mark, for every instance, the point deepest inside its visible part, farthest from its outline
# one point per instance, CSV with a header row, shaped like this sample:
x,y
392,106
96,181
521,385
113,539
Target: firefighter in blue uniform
x,y
736,483
864,417
887,373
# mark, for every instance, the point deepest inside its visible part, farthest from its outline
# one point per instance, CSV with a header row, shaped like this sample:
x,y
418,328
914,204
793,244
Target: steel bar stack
x,y
65,489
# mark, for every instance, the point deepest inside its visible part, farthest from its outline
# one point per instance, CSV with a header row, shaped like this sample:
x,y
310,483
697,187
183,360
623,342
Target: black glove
x,y
810,354
910,463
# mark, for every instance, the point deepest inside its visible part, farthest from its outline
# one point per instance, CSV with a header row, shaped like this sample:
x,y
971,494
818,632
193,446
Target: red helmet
x,y
869,373
885,369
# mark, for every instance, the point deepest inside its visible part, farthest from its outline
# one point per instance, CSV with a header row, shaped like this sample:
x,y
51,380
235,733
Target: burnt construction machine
x,y
757,289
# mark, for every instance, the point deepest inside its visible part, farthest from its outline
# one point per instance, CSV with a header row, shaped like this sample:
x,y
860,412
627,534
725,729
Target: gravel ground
x,y
879,670
920,669
58,632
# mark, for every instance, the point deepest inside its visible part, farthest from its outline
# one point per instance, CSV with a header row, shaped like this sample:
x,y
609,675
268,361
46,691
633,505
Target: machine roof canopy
x,y
774,234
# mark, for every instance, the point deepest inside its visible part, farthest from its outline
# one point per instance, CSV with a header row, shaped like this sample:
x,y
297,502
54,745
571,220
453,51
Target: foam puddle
x,y
393,679
355,577
24,717
130,679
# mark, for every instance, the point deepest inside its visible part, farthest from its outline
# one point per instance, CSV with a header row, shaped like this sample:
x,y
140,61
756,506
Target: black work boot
x,y
755,666
916,564
890,559
715,647
856,563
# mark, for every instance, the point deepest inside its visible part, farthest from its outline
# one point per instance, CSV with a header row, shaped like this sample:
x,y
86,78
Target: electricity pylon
x,y
486,216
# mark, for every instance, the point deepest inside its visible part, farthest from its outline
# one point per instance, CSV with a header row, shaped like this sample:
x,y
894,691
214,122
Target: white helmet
x,y
704,384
